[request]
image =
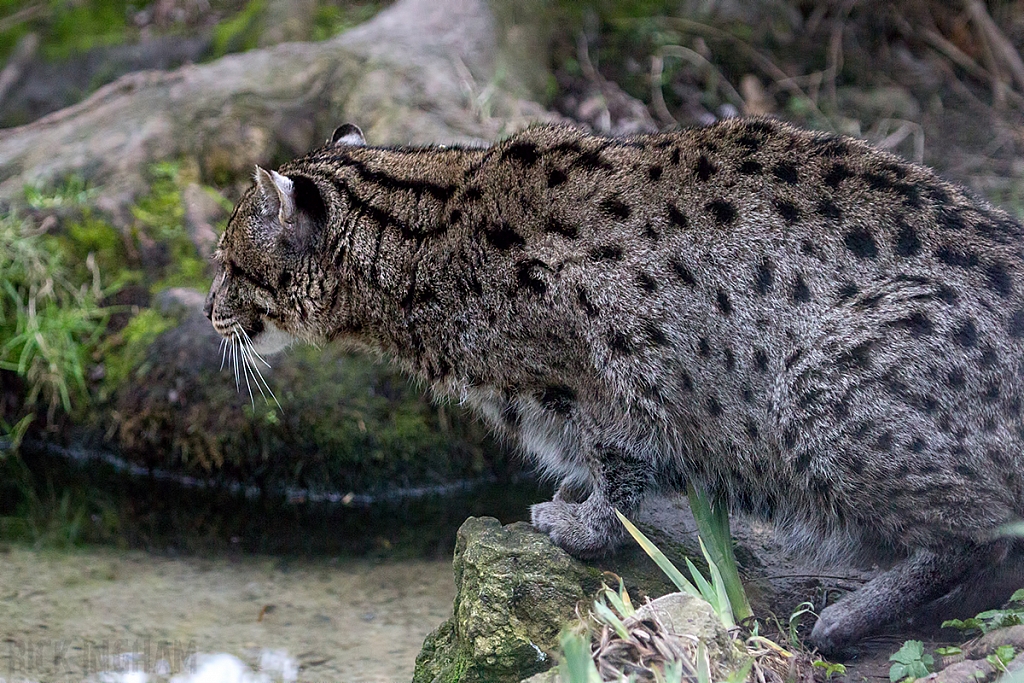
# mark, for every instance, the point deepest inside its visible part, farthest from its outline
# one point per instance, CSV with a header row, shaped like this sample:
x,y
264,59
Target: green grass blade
x,y
577,665
609,617
713,527
721,601
707,591
703,664
620,605
666,566
740,674
624,596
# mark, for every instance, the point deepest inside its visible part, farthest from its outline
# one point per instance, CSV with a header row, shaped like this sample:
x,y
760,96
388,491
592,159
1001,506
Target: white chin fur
x,y
271,340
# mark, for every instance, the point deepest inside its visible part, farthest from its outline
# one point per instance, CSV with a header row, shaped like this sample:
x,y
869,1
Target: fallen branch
x,y
23,53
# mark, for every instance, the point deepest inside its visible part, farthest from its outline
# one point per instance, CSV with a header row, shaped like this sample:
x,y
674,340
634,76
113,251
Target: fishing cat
x,y
817,331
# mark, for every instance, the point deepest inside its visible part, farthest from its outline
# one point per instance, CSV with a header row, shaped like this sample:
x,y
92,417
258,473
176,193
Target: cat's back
x,y
826,313
745,225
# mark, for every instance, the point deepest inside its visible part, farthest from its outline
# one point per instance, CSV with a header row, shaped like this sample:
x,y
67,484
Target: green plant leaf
x,y
723,606
619,601
703,663
909,653
897,672
609,617
666,566
712,519
910,662
706,590
577,666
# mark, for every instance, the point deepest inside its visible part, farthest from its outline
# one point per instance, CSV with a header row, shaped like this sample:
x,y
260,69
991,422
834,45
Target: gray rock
x,y
202,211
549,676
968,671
515,590
180,301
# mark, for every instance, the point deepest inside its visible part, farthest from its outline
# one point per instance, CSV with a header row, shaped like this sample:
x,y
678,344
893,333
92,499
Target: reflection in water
x,y
167,510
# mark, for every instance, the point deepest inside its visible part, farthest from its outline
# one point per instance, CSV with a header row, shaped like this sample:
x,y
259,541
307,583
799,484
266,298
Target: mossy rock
x,y
345,423
515,590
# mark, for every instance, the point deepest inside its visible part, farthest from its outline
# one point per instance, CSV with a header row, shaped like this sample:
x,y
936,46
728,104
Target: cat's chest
x,y
554,442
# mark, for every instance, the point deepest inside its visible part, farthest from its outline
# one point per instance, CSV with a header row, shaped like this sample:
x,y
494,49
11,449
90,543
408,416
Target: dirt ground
x,y
65,616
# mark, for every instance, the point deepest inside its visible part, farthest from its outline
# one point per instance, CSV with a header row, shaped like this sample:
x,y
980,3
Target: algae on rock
x,y
515,590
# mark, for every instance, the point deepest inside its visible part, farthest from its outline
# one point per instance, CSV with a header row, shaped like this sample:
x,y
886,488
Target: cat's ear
x,y
278,194
347,134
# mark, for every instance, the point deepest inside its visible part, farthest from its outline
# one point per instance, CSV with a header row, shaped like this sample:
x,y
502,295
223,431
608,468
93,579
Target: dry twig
x,y
834,63
24,51
27,14
999,43
762,62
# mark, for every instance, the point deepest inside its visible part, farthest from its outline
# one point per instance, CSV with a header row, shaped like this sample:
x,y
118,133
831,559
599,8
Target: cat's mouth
x,y
224,328
271,339
263,336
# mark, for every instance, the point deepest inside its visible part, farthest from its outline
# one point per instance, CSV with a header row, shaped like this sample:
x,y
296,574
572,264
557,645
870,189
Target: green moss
x,y
81,26
71,191
331,19
67,27
240,32
161,209
93,243
160,215
125,353
441,658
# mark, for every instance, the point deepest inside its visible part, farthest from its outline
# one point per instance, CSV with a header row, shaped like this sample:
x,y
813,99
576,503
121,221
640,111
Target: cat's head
x,y
269,288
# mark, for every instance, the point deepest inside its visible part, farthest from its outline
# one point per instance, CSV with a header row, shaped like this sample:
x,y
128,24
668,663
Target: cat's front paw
x,y
581,529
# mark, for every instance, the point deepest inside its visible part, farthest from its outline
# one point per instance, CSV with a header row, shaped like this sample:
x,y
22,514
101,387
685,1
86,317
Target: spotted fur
x,y
815,330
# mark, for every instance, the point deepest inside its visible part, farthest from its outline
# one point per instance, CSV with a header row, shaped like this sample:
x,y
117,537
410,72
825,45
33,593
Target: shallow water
x,y
67,615
346,586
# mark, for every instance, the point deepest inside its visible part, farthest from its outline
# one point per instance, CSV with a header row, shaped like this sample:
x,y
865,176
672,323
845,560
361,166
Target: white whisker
x,y
257,374
223,352
253,351
255,377
242,363
245,373
234,358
